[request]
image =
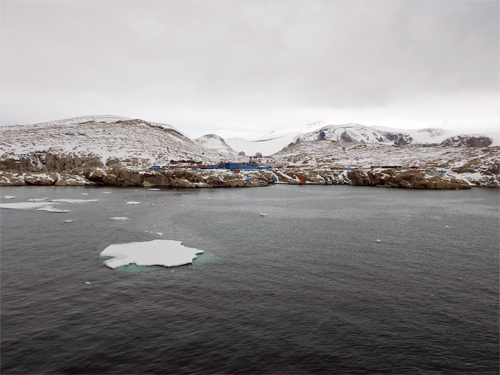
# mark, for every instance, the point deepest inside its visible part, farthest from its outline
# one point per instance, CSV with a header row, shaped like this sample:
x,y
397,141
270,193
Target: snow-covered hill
x,y
214,142
108,137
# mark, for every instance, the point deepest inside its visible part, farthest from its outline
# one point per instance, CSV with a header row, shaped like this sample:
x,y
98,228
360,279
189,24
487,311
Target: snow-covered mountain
x,y
214,142
478,134
115,137
391,136
114,150
356,133
108,137
272,142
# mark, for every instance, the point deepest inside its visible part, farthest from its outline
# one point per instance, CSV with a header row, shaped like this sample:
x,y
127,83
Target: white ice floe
x,y
75,200
37,199
119,218
24,205
68,221
106,192
85,193
132,202
159,233
9,197
154,189
262,214
53,209
378,241
165,253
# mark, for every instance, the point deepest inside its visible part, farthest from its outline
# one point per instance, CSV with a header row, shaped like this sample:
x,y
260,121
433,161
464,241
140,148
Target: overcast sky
x,y
249,67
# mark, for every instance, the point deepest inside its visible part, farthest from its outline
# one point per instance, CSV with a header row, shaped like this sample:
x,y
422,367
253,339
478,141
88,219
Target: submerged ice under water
x,y
333,280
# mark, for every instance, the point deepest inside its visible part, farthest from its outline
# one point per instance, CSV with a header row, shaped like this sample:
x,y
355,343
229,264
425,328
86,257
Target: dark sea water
x,y
305,289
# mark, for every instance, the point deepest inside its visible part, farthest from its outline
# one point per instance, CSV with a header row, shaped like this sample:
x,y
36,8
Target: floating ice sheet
x,y
132,202
25,205
119,218
9,197
165,253
52,209
74,200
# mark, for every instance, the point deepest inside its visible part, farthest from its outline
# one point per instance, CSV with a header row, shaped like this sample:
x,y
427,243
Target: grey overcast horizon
x,y
244,68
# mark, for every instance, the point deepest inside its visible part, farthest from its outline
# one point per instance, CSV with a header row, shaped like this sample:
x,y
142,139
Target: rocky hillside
x,y
477,165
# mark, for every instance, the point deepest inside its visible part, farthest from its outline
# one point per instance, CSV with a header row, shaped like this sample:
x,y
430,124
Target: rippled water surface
x,y
307,288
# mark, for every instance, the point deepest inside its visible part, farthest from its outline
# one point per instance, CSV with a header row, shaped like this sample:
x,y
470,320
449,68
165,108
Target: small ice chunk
x,y
262,214
150,253
185,195
9,197
106,192
119,218
85,193
378,241
154,189
159,233
88,282
37,199
132,202
152,204
75,200
68,221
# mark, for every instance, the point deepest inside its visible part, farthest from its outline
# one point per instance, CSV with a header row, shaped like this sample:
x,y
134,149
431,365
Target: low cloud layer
x,y
248,66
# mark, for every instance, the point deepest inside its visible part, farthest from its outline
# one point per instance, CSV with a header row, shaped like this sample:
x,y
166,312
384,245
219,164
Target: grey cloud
x,y
62,57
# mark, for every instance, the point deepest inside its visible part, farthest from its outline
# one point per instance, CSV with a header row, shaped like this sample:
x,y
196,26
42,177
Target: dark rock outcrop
x,y
468,140
409,179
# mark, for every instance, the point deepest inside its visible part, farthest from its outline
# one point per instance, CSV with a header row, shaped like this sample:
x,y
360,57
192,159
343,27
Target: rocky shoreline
x,y
184,178
71,169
